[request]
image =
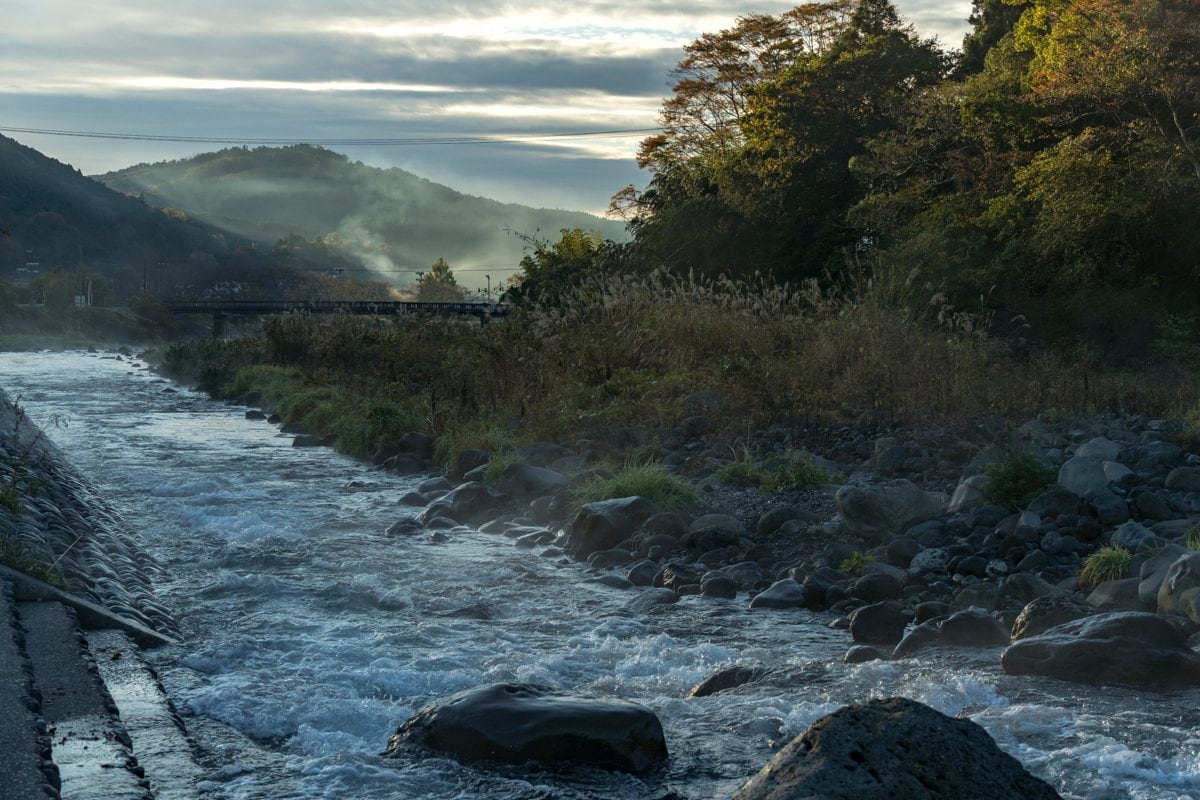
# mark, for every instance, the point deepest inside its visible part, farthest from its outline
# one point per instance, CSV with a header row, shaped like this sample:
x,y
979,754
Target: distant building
x,y
29,272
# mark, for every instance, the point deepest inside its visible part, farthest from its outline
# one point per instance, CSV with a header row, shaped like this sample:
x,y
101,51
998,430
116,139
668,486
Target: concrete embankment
x,y
81,715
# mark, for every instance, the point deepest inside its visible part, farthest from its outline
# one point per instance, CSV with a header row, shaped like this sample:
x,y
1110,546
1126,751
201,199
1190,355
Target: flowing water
x,y
309,635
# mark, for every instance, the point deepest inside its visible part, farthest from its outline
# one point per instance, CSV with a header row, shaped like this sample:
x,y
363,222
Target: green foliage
x,y
14,555
651,481
475,433
787,473
856,563
1191,539
1109,563
500,461
1016,480
439,285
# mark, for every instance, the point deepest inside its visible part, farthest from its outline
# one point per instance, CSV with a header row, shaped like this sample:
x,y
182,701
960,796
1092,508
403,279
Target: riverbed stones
x,y
652,598
1135,537
1082,475
876,587
517,723
880,512
308,440
897,748
605,524
1183,479
468,503
1128,648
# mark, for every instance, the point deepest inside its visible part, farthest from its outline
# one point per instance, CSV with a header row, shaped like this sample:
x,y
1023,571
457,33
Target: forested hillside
x,y
387,218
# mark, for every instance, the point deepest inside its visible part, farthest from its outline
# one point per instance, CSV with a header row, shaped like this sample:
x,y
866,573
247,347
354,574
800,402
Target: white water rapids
x,y
310,635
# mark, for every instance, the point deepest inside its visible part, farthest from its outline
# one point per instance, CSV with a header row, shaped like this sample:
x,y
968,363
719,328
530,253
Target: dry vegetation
x,y
624,351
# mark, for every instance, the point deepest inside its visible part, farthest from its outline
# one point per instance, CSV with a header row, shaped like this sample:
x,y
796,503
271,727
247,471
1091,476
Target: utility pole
x,y
489,288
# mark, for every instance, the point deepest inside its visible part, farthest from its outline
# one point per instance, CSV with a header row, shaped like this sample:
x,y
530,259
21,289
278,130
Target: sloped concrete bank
x,y
56,527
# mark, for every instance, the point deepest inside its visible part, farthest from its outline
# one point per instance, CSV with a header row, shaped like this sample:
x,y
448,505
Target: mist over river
x,y
309,635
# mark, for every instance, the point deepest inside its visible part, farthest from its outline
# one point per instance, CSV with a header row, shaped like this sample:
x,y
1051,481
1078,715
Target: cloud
x,y
371,68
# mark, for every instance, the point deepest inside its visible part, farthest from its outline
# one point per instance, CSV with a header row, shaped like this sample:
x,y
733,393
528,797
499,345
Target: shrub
x,y
1016,480
476,433
787,473
651,481
272,383
856,563
1106,564
363,427
500,461
10,499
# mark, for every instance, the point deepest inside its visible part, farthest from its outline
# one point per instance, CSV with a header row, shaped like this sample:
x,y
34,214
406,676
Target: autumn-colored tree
x,y
439,285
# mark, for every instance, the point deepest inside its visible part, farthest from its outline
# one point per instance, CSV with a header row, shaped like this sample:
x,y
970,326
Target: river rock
x,y
405,526
1100,448
713,531
1044,613
1118,595
1154,571
1181,577
516,723
863,653
895,748
876,587
1126,648
1082,475
525,480
718,585
1135,537
308,440
467,504
1183,479
879,513
652,598
969,494
726,679
642,573
786,593
604,525
972,627
878,623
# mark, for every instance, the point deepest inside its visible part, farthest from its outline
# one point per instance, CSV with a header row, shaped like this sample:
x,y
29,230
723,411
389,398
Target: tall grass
x,y
621,350
651,481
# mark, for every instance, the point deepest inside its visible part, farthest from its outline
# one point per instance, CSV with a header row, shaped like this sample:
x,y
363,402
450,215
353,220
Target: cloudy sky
x,y
323,69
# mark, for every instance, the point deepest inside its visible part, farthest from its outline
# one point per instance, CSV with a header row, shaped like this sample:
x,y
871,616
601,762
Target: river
x,y
309,636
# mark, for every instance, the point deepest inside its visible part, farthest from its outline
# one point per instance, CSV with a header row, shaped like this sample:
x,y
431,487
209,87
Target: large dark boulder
x,y
605,524
972,627
882,512
879,623
894,748
1128,648
515,723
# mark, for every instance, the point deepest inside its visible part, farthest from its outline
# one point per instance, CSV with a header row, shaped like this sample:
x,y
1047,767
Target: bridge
x,y
222,310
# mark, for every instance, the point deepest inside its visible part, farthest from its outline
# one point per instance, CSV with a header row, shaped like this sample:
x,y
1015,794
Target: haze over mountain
x,y
389,219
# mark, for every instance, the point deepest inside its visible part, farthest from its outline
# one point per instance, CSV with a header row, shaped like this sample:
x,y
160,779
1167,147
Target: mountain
x,y
52,214
388,219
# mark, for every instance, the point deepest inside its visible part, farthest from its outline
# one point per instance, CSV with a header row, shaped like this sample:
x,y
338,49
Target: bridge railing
x,y
366,307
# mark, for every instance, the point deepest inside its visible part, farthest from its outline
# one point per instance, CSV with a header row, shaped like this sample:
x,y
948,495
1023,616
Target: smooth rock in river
x,y
516,723
308,440
1127,648
972,627
897,749
725,679
879,513
604,525
1082,475
786,593
1044,613
878,623
524,480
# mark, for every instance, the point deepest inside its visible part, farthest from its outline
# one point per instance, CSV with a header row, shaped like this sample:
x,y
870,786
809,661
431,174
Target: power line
x,y
504,138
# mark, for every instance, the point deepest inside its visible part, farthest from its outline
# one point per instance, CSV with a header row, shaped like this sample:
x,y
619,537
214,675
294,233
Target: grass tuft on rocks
x,y
651,481
1110,563
1191,539
787,473
475,433
1016,480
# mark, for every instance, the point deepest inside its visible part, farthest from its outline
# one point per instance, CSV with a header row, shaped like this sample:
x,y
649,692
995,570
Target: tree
x,y
991,21
439,285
